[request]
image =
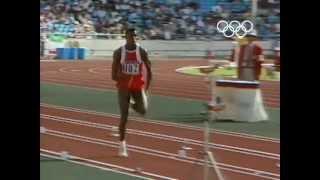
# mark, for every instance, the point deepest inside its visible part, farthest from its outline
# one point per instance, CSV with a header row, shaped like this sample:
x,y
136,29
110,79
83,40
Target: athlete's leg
x,y
141,102
123,98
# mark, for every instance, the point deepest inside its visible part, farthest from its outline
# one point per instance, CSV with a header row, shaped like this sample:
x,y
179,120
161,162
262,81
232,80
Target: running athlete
x,y
128,70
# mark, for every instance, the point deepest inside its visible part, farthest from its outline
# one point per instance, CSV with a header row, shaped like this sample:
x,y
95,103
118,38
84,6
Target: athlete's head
x,y
130,35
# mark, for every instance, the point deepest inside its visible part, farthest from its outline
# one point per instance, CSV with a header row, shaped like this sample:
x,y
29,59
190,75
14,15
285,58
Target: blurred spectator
x,y
217,9
155,19
238,7
273,18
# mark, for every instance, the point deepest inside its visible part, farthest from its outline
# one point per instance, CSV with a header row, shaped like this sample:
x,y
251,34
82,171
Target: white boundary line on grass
x,y
249,136
88,164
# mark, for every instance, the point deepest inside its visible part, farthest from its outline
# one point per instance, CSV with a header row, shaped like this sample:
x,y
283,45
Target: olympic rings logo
x,y
234,27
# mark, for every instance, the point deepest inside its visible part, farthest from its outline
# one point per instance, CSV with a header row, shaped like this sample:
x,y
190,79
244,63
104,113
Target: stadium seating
x,y
150,17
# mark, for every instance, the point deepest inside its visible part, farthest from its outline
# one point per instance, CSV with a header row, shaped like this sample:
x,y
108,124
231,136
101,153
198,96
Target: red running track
x,y
153,146
97,74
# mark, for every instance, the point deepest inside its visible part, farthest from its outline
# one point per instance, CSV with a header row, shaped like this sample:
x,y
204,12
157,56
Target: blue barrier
x,y
81,53
63,53
72,53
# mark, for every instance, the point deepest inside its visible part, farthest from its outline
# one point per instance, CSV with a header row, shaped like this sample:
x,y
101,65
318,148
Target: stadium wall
x,y
105,48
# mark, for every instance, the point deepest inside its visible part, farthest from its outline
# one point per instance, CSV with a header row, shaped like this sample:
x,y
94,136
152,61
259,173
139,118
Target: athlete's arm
x,y
116,64
145,59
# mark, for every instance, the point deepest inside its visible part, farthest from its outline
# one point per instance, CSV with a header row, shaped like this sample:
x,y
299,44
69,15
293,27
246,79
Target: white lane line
x,y
57,156
166,156
92,70
249,136
63,70
104,163
165,137
95,70
68,70
155,153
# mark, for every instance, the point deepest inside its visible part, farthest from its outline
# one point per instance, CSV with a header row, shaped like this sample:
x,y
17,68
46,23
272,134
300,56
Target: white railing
x,y
84,35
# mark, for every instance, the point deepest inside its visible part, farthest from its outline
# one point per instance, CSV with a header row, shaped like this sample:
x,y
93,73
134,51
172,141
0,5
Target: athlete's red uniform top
x,y
131,71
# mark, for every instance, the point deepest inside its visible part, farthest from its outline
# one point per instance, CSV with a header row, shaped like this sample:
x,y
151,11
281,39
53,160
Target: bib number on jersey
x,y
131,69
